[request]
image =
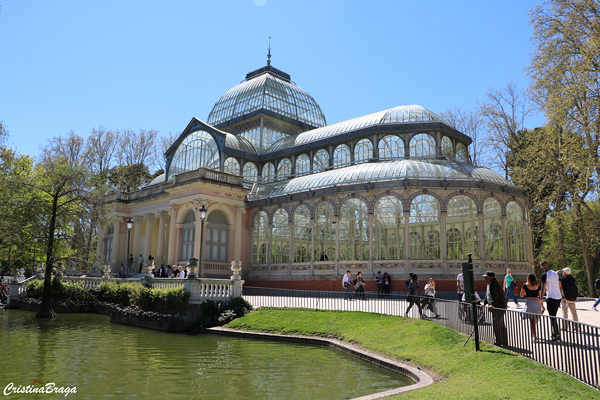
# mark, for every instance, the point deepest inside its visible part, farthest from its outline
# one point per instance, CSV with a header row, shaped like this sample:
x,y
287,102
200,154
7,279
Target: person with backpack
x,y
597,283
567,281
413,296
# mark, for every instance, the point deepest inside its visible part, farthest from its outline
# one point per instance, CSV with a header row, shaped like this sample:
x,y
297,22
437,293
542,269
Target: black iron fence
x,y
576,353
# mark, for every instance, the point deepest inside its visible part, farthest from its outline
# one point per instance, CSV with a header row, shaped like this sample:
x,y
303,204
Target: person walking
x,y
510,285
496,302
413,296
569,286
460,286
533,304
597,283
428,300
379,284
387,281
551,285
359,284
346,284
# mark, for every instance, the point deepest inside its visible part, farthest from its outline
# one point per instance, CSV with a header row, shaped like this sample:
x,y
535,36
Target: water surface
x,y
110,361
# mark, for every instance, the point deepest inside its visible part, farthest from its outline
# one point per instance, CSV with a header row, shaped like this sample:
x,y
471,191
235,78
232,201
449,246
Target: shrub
x,y
216,313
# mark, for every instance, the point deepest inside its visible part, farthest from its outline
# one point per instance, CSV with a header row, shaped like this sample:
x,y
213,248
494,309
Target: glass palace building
x,y
300,202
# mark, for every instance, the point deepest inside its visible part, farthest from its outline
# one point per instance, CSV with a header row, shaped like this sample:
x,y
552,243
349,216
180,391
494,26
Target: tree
x,y
504,113
469,123
565,83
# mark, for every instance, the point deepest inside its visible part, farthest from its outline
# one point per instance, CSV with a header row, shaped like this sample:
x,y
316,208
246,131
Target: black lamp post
x,y
129,226
202,218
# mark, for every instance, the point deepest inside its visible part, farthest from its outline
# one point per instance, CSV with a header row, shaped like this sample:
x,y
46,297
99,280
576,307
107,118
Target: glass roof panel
x,y
381,172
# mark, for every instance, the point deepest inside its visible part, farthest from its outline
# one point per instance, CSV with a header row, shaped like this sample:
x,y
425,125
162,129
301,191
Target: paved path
x,y
584,311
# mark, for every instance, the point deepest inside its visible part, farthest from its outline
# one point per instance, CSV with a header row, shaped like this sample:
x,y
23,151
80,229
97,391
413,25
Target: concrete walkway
x,y
584,310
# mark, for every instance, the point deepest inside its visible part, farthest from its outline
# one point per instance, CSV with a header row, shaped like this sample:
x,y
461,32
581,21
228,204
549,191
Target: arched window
x,y
232,166
424,228
188,236
461,153
341,156
422,145
197,150
354,230
391,147
462,228
217,233
492,224
363,151
515,232
324,231
284,170
447,147
389,229
302,165
302,235
268,172
321,161
260,238
281,236
109,244
250,172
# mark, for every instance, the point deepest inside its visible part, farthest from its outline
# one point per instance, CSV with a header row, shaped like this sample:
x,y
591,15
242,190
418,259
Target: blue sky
x,y
76,65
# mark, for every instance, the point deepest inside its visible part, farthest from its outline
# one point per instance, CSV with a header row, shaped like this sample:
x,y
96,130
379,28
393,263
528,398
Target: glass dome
x,y
268,91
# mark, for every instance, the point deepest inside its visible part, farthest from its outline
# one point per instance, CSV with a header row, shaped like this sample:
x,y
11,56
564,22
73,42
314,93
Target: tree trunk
x,y
46,310
589,266
561,237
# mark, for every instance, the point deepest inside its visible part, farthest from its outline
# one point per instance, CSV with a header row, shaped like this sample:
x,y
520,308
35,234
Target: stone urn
x,y
236,268
149,267
192,268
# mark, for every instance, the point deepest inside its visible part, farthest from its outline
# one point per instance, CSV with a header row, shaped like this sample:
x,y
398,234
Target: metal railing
x,y
577,353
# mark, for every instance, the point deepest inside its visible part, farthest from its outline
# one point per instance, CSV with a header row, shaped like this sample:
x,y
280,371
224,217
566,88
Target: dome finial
x,y
269,53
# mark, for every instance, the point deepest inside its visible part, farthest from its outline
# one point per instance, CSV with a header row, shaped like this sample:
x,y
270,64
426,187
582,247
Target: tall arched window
x,y
389,229
302,165
422,145
363,151
515,232
325,231
354,230
447,147
341,156
188,236
284,170
268,172
492,224
462,228
217,232
197,150
461,153
321,161
232,166
281,236
260,238
250,172
424,228
391,147
302,235
109,244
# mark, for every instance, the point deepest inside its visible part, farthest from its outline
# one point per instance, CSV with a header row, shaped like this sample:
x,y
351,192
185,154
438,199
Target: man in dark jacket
x,y
569,287
496,302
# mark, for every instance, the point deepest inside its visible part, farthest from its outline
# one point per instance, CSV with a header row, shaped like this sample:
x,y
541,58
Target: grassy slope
x,y
489,374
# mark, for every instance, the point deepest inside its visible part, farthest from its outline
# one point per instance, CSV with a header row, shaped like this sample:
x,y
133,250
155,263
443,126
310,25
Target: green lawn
x,y
460,372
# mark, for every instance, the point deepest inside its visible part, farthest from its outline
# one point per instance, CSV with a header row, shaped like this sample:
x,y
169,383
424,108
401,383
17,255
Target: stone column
x,y
171,250
406,237
136,243
115,245
237,244
160,248
148,239
443,240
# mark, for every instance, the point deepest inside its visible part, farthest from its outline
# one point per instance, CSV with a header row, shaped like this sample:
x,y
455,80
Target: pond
x,y
109,361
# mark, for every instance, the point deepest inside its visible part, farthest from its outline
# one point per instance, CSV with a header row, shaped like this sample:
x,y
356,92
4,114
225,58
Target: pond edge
x,y
421,378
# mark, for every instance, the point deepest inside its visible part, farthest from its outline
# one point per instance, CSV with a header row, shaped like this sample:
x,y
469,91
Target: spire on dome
x,y
269,53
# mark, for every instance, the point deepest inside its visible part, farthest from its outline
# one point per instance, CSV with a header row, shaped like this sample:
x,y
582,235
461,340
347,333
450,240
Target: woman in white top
x,y
428,302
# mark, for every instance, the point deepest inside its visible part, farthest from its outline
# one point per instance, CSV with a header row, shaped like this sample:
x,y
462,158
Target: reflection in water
x,y
115,361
